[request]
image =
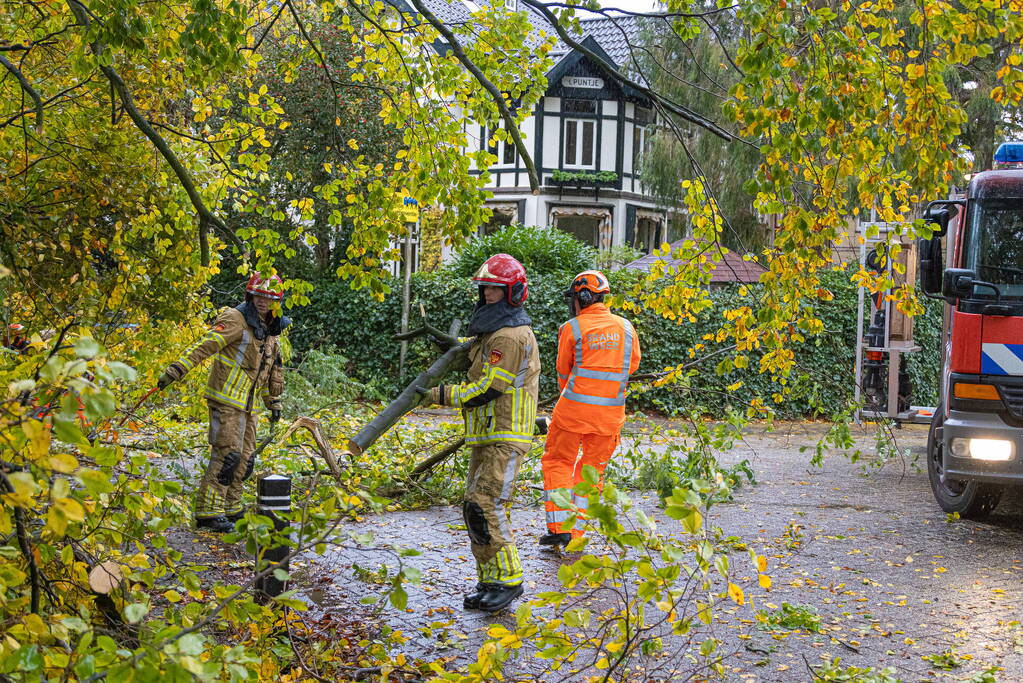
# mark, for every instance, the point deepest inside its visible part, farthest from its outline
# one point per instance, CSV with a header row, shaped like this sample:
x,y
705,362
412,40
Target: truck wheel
x,y
971,499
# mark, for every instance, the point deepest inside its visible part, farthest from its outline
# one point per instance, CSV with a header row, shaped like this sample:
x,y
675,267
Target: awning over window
x,y
602,214
647,214
595,211
505,208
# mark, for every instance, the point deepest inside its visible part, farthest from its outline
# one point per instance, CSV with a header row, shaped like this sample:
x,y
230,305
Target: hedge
x,y
362,330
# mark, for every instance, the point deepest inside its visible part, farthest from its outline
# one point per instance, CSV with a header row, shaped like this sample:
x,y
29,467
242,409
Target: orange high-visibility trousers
x,y
563,469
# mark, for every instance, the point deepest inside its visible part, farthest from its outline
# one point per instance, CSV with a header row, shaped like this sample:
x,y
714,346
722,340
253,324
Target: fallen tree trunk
x,y
410,397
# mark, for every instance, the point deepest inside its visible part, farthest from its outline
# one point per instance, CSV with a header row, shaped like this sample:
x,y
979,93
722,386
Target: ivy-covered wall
x,y
362,330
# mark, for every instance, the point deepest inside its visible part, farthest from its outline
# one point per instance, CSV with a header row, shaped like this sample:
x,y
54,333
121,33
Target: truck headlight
x,y
982,449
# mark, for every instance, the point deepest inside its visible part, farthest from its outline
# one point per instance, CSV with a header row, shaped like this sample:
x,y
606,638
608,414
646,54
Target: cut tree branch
x,y
409,398
510,125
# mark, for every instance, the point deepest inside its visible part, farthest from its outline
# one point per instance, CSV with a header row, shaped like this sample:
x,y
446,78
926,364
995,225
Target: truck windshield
x,y
993,246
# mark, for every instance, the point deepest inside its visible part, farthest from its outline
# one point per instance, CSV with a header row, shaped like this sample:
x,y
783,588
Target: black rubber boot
x,y
218,525
235,516
472,600
555,539
497,596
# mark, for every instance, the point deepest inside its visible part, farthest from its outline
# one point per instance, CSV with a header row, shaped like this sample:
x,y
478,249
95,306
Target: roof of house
x,y
731,267
614,35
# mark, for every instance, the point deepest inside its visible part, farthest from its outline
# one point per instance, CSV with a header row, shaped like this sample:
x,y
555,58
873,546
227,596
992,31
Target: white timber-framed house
x,y
586,135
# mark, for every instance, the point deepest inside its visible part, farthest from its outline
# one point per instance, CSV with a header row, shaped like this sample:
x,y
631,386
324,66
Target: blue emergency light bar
x,y
1009,155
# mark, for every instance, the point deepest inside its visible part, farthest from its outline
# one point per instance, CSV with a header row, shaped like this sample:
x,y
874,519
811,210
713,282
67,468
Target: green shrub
x,y
821,384
541,250
321,381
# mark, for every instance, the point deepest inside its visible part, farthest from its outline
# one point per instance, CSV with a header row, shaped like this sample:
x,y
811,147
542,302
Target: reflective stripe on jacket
x,y
243,366
499,401
597,351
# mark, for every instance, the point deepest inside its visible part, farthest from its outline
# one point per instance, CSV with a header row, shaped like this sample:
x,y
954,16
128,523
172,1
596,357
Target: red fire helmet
x,y
503,270
271,287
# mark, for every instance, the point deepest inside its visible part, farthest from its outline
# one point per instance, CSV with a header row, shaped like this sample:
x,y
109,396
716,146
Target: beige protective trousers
x,y
489,489
232,437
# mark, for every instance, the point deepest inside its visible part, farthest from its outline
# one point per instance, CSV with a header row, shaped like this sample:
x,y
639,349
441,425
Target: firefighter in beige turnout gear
x,y
499,409
245,345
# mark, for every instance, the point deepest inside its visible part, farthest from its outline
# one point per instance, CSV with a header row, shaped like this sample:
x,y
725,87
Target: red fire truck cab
x,y
975,445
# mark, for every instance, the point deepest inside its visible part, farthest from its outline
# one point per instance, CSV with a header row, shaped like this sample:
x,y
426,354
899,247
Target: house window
x,y
648,235
503,215
586,229
589,224
641,135
579,142
503,150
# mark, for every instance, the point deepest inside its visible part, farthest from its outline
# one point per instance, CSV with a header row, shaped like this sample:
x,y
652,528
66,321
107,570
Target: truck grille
x,y
1012,396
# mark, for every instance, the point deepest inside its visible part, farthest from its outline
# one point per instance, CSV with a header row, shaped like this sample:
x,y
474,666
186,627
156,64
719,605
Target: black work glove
x,y
543,425
444,343
275,415
431,396
164,381
248,468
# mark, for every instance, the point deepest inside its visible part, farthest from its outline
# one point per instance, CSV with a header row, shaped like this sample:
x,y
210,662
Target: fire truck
x,y
975,442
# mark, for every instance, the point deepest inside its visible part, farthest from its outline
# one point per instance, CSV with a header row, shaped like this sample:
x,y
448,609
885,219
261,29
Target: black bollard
x,y
273,496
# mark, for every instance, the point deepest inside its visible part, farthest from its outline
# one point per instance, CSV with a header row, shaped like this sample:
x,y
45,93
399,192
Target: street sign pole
x,y
410,210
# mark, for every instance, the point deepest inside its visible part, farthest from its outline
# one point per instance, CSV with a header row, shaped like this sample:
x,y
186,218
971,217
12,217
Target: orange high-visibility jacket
x,y
597,351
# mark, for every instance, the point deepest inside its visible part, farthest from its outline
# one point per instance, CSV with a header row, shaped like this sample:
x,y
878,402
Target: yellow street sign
x,y
409,208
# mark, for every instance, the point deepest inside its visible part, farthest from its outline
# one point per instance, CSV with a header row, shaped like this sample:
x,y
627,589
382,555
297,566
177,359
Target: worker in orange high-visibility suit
x,y
597,351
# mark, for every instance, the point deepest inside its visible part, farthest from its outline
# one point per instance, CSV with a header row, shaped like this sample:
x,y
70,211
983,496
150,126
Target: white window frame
x,y
511,5
579,134
640,135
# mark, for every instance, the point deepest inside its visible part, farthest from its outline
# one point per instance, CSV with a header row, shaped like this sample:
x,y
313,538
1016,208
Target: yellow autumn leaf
x,y
71,509
736,594
764,580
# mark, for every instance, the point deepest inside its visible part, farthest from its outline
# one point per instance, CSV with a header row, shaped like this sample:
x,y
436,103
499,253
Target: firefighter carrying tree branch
x,y
498,405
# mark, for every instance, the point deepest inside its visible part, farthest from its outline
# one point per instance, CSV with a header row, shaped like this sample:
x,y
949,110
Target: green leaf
x,y
85,666
26,659
86,347
135,612
100,404
121,371
95,481
398,597
68,431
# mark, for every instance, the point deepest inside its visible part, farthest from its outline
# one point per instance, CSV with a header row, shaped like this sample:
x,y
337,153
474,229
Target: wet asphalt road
x,y
891,578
